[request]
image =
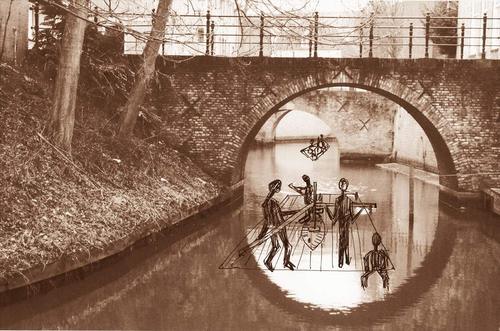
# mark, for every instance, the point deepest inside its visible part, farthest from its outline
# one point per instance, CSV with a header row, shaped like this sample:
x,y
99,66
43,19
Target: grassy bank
x,y
53,206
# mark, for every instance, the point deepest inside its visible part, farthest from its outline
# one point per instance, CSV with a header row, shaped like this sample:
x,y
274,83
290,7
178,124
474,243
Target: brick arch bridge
x,y
213,107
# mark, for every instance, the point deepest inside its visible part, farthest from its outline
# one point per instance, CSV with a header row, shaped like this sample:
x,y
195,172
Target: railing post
x,y
212,27
36,10
316,18
310,38
96,9
261,41
361,41
207,30
427,31
462,40
370,50
483,49
410,42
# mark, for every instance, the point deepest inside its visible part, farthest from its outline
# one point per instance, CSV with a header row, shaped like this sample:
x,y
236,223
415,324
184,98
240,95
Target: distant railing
x,y
314,36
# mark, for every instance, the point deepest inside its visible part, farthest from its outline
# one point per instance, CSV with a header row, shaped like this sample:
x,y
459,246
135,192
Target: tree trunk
x,y
145,73
62,117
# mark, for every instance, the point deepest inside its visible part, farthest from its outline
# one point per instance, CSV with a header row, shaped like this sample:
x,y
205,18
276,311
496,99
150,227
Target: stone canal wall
x,y
411,145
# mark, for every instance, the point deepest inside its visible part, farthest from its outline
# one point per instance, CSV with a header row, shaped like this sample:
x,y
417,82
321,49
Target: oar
x,y
290,220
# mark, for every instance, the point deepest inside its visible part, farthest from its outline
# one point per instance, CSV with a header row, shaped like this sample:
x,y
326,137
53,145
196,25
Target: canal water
x,y
446,273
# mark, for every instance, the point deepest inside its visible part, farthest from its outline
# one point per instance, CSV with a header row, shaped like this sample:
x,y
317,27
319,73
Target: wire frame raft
x,y
323,258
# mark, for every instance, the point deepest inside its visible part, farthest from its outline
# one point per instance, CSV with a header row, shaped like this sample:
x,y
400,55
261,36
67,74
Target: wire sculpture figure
x,y
316,148
273,217
376,260
345,216
307,192
313,232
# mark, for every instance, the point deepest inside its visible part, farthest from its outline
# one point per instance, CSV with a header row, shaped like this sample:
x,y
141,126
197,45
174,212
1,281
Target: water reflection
x,y
325,285
446,276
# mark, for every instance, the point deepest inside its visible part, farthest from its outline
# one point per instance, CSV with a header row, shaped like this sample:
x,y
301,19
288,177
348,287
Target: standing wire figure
x,y
273,217
344,215
376,260
307,192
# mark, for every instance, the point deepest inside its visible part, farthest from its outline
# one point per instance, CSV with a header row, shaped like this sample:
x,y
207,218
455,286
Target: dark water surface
x,y
446,277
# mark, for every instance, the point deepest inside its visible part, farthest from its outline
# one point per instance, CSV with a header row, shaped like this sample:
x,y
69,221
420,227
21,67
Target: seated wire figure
x,y
376,260
322,144
273,217
307,192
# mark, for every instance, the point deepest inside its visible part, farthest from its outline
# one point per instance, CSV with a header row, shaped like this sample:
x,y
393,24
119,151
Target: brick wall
x,y
411,145
214,107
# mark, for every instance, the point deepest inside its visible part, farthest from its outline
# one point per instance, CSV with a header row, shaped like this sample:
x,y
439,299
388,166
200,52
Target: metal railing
x,y
314,35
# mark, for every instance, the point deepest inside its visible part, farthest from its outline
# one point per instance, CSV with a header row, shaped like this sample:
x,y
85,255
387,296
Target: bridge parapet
x,y
215,106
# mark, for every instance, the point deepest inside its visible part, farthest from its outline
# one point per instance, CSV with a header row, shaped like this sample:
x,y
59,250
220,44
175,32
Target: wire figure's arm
x,y
366,261
276,212
336,212
355,217
329,213
263,230
299,189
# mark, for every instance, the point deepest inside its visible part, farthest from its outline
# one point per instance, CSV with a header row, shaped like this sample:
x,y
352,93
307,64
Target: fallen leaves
x,y
48,210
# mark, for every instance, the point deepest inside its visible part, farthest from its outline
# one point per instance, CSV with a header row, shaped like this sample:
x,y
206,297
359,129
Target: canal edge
x,y
42,279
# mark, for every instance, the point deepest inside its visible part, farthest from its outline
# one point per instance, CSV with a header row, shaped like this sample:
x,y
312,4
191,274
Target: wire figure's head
x,y
306,179
275,186
321,136
343,184
376,239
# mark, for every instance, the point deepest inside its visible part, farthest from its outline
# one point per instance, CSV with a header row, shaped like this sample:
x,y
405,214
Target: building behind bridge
x,y
13,30
474,11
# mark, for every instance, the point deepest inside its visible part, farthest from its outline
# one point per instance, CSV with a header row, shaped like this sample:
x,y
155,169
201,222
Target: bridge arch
x,y
215,106
270,129
416,103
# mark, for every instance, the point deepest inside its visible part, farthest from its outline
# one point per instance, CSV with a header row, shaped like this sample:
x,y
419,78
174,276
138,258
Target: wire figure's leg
x,y
385,278
364,278
274,249
346,251
288,250
341,254
343,245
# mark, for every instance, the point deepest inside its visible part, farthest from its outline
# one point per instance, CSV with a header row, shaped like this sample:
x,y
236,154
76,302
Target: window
x,y
200,34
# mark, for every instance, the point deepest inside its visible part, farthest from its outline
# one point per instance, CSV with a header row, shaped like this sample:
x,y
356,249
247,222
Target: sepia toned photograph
x,y
250,165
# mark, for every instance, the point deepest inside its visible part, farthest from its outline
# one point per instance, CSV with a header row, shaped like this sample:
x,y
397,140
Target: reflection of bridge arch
x,y
372,312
